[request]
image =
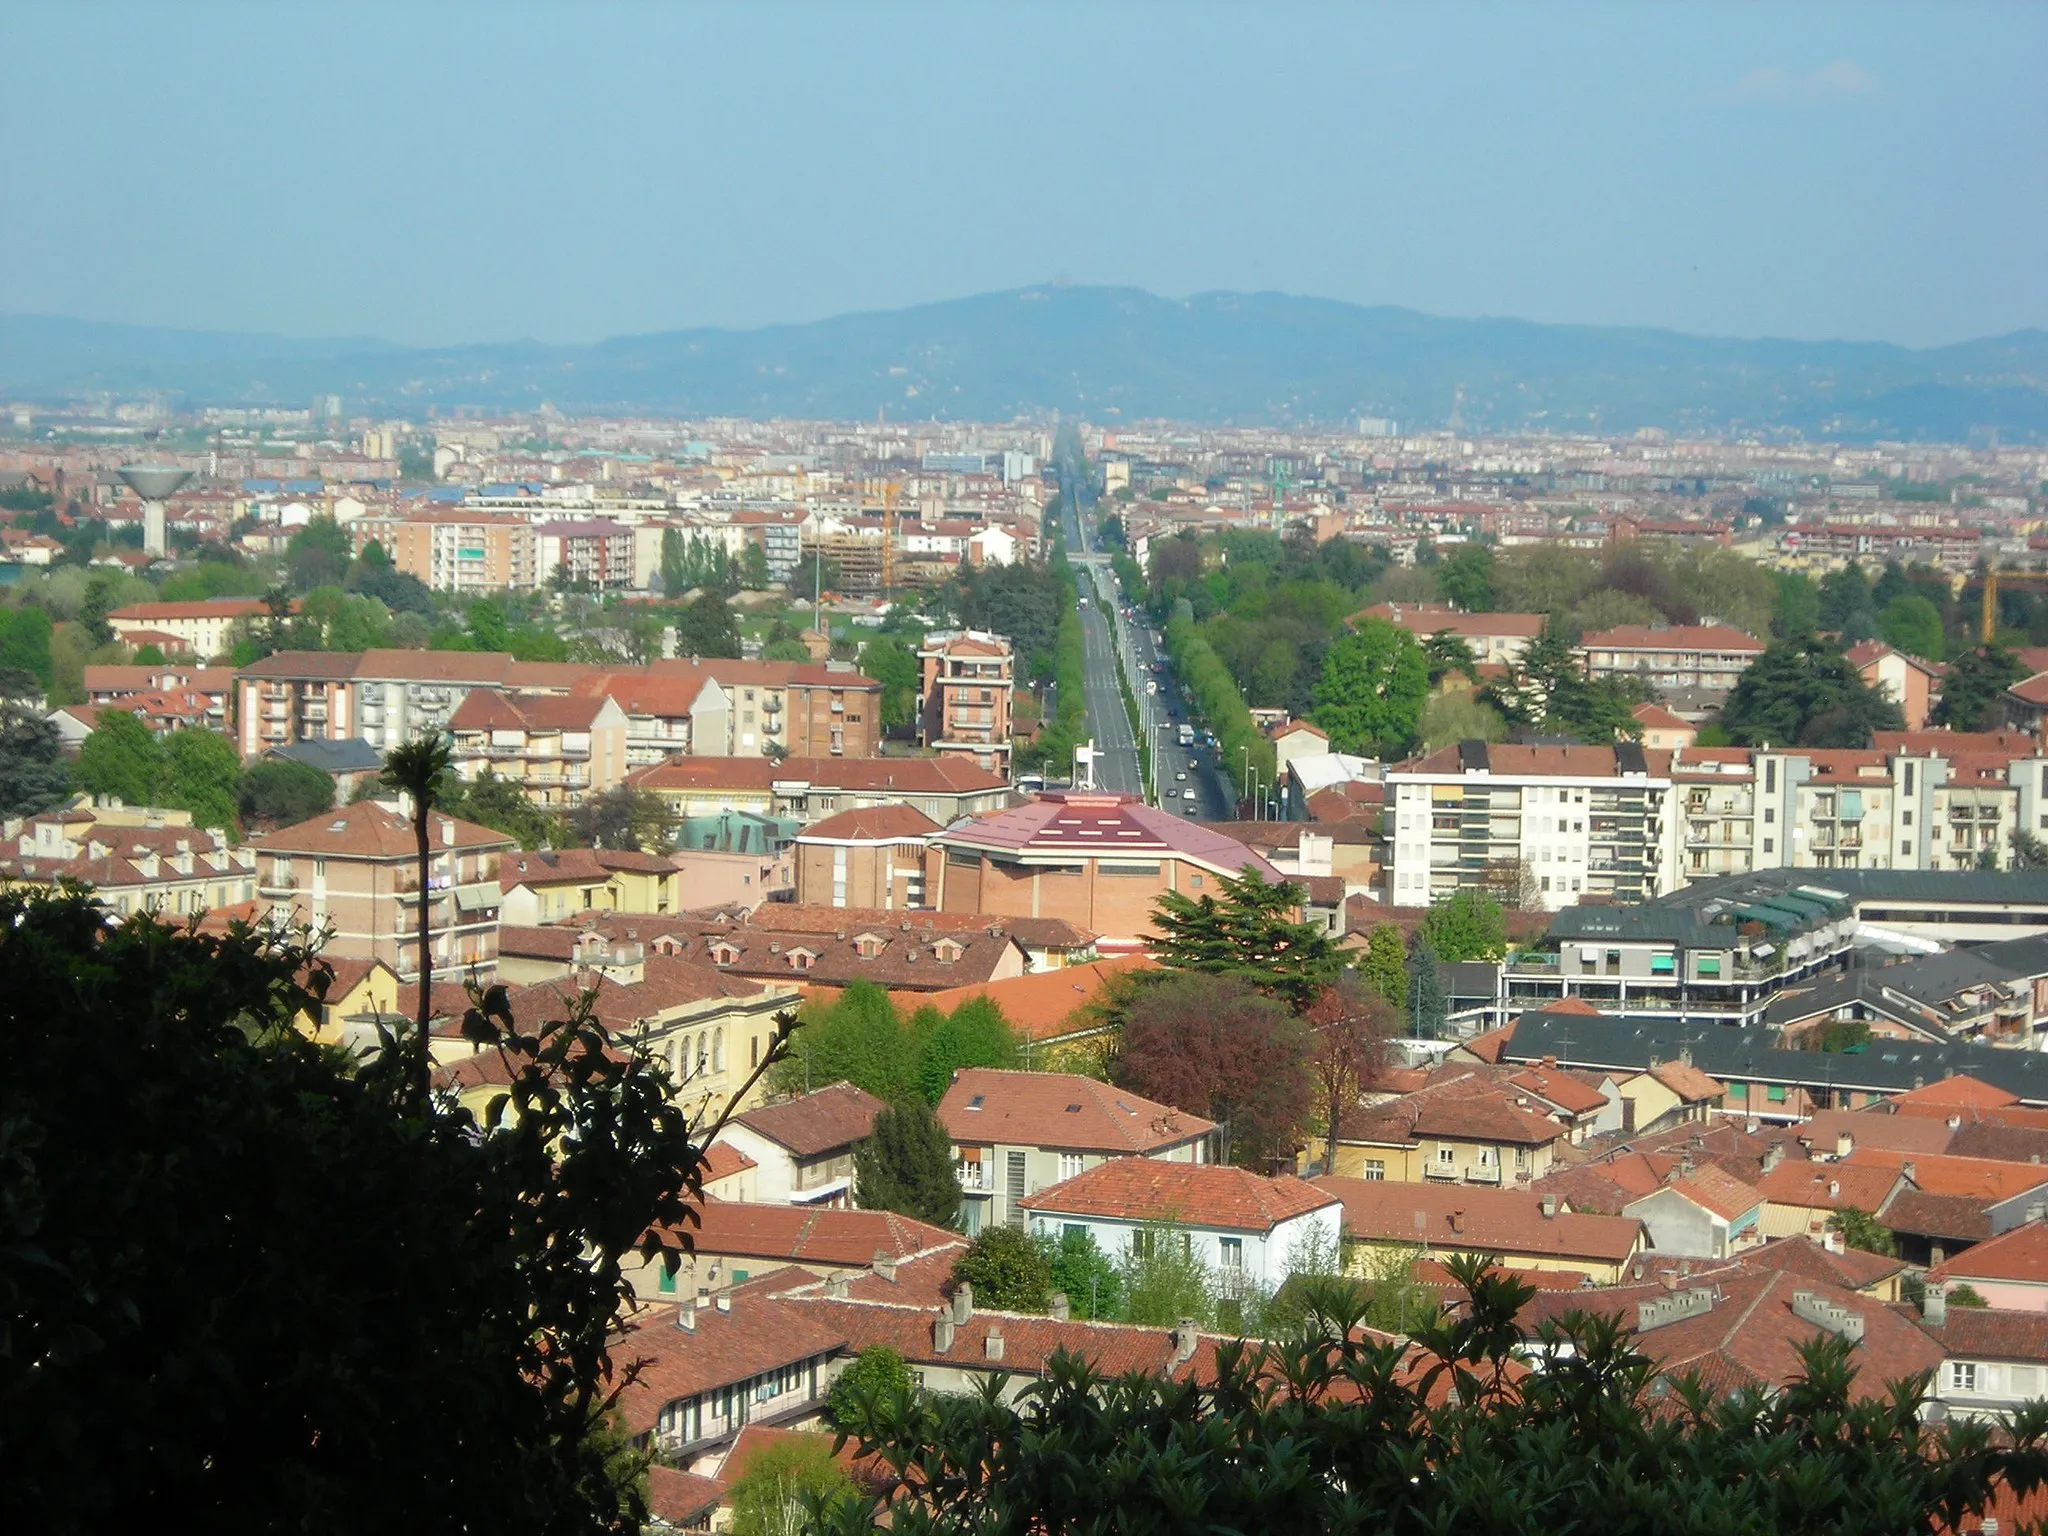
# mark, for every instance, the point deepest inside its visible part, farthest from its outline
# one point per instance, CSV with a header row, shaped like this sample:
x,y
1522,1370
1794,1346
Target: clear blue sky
x,y
435,172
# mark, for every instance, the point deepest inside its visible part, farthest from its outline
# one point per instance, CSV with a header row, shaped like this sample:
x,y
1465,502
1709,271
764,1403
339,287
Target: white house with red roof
x,y
1250,1232
1100,861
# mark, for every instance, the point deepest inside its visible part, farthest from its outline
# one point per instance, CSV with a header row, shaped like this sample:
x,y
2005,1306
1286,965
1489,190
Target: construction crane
x,y
889,537
1987,620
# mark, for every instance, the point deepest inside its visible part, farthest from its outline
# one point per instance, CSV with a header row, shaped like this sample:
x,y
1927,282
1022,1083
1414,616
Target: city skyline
x,y
460,177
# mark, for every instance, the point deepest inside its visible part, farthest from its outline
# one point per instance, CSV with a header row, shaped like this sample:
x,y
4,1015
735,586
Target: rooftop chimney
x,y
1183,1340
1955,1122
686,1317
1908,1171
942,1334
1458,1221
1822,1313
963,1302
1549,1207
835,1288
1934,1306
1674,1308
1774,1154
725,1301
992,1346
885,1265
1059,1309
1844,1143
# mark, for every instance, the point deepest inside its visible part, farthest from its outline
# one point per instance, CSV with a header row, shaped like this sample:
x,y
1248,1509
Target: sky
x,y
438,172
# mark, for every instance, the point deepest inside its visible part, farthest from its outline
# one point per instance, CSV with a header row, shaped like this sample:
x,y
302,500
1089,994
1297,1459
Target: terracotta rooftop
x,y
1107,826
1991,1333
810,1235
871,824
1042,1004
1677,637
486,709
984,1106
1143,1189
1716,1190
1466,1217
820,1122
2021,1254
369,829
1977,1177
1851,1268
1828,1186
759,1334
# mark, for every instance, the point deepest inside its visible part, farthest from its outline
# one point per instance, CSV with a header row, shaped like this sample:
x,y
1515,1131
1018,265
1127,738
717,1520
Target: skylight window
x,y
975,1102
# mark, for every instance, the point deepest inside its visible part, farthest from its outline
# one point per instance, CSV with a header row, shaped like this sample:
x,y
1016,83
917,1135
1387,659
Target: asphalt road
x,y
1110,640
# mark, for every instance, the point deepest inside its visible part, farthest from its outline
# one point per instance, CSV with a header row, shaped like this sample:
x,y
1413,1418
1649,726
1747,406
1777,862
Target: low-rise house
x,y
1495,639
1385,1222
1801,1198
1874,1275
1467,1130
734,1242
803,1148
203,628
813,788
1995,1360
1249,1231
1948,1203
135,858
706,1372
2010,1271
1017,1133
548,885
1702,1213
1906,680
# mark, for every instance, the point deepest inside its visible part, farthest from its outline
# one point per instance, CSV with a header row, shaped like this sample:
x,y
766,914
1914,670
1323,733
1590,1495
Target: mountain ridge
x,y
1108,354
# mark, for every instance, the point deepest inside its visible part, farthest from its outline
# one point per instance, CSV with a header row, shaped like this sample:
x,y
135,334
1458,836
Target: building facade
x,y
965,678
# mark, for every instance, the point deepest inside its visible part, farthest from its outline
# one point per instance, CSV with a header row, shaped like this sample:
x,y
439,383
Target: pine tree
x,y
1385,966
1427,1007
1249,930
906,1166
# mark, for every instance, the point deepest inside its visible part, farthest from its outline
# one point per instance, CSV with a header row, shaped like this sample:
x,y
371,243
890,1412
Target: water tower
x,y
155,484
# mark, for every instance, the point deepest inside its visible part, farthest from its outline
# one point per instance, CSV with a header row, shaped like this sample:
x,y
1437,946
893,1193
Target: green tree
x,y
754,568
706,627
1795,614
1468,924
1250,930
623,817
775,1493
1163,1280
1805,693
501,805
149,656
102,597
1009,1272
1542,578
283,793
1973,689
1384,967
906,1165
1453,717
200,772
2028,852
1326,1429
120,758
892,664
857,1039
1859,1229
1845,606
975,1034
1428,1008
488,628
469,1297
876,1369
416,770
1374,683
1912,624
25,645
1083,1273
318,555
1963,1295
33,776
1464,578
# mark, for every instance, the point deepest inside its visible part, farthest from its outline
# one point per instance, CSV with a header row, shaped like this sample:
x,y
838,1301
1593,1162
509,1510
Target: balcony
x,y
1485,1173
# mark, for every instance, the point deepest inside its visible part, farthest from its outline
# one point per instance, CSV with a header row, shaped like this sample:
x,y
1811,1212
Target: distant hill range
x,y
1108,355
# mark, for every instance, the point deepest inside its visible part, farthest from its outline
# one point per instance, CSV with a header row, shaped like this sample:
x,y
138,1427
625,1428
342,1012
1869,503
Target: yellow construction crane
x,y
1987,620
889,537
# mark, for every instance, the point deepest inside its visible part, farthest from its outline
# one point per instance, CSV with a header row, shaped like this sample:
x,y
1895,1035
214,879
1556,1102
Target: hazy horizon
x,y
457,173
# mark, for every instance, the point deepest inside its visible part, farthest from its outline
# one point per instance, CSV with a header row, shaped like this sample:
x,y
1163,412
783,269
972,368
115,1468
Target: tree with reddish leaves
x,y
1215,1045
1349,1026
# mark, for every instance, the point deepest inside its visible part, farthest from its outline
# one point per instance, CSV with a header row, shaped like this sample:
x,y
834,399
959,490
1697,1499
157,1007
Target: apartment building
x,y
135,858
1705,658
1587,821
559,749
355,871
872,858
809,789
965,678
1098,861
1718,951
121,684
1906,680
760,708
457,549
1496,639
204,628
596,555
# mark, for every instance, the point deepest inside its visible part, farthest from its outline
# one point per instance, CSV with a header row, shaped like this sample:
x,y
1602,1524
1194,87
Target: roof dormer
x,y
947,950
802,959
868,945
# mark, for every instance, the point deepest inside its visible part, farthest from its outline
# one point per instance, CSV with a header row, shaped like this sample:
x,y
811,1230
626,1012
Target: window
x,y
1446,1156
1905,818
1770,815
1489,1157
1962,1375
1521,1157
1769,845
1232,1249
1070,1166
1905,847
1072,1229
1770,777
665,1282
1775,1093
1375,1169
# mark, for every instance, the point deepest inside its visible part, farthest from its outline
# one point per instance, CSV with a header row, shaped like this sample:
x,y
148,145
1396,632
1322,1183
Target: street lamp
x,y
1245,752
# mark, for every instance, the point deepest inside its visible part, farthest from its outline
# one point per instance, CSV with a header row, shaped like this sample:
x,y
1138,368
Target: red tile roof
x,y
1851,1268
759,1334
1677,637
1143,1189
1505,1221
370,830
1059,1110
1948,1094
1106,826
2021,1254
1718,1191
809,1235
1044,1004
820,1122
1828,1186
486,709
871,824
1978,1178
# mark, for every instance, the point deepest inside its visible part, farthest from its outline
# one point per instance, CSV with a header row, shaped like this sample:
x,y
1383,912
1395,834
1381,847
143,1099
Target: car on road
x,y
1180,778
1187,794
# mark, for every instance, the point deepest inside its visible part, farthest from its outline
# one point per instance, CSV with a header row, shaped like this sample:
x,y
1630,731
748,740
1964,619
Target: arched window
x,y
703,1054
679,1060
718,1050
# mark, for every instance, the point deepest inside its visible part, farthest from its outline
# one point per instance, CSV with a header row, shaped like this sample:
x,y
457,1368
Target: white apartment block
x,y
1588,821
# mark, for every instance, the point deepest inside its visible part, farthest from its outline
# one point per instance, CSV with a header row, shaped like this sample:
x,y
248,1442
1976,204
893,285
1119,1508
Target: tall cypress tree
x,y
1427,1007
906,1166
